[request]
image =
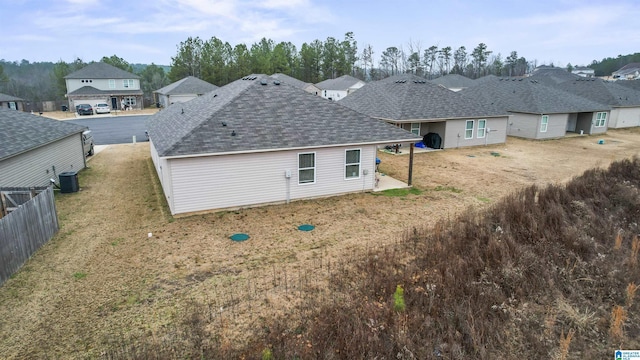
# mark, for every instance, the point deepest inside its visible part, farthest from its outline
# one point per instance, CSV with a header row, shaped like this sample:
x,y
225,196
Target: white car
x,y
102,108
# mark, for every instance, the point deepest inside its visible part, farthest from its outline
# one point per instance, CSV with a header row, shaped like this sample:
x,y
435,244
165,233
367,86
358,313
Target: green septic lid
x,y
239,237
306,227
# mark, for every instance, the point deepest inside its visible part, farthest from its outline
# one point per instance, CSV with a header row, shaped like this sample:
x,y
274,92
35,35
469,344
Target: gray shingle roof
x,y
453,81
90,90
530,96
188,85
627,69
409,97
633,84
5,97
343,82
602,91
20,132
100,70
291,80
263,118
554,76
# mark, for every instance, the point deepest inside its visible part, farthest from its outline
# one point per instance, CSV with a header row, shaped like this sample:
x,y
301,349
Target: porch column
x,y
410,164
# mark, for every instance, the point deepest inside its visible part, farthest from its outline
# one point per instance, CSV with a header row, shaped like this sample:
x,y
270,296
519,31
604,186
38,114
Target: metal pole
x,y
410,164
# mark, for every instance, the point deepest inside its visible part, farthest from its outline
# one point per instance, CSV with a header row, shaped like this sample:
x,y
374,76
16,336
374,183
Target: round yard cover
x,y
239,237
306,227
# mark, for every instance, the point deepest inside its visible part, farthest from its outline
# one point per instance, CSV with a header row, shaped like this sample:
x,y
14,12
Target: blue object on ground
x,y
377,161
306,227
420,144
239,237
601,141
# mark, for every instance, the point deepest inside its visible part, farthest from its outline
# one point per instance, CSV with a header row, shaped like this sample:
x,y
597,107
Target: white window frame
x,y
482,131
112,83
128,83
307,168
347,165
468,129
544,123
601,119
413,128
13,105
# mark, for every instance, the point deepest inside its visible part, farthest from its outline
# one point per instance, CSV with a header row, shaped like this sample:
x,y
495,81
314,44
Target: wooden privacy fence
x,y
28,219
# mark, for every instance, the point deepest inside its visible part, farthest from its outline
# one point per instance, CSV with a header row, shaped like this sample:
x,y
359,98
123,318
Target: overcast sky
x,y
549,31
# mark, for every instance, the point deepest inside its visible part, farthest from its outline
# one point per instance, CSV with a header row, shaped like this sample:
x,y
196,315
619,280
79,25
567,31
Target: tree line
x,y
220,63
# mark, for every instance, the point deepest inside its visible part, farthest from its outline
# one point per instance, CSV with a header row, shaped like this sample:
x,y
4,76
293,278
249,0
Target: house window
x,y
482,127
415,128
127,83
13,105
601,119
306,168
468,132
352,164
130,100
112,84
544,123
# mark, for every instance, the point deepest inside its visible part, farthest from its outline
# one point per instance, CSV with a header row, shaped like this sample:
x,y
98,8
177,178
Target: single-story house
x,y
36,149
257,141
308,87
539,111
100,82
583,71
11,102
338,88
624,101
453,82
424,108
182,90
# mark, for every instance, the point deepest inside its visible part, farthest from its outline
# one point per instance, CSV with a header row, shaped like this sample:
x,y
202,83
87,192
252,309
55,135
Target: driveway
x,y
119,129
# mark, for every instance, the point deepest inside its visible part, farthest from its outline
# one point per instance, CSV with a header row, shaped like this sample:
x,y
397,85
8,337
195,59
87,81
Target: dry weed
x,y
631,292
565,341
581,320
618,317
618,243
635,247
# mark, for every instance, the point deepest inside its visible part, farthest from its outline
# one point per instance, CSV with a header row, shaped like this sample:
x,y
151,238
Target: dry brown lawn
x,y
102,279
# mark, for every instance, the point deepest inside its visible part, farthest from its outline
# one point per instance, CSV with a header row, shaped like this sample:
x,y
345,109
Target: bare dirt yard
x,y
103,279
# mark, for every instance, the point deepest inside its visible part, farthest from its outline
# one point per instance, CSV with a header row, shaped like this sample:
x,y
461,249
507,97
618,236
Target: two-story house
x,y
103,83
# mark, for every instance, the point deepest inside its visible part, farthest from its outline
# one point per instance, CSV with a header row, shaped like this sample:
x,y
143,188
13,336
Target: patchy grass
x,y
452,189
399,192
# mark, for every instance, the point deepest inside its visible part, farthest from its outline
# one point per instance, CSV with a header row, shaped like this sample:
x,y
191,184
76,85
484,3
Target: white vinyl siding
x,y
112,83
468,133
482,128
544,123
601,119
229,181
36,167
415,128
307,168
352,164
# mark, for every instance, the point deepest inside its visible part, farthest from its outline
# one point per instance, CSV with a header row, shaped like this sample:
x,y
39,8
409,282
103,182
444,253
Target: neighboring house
x,y
182,90
39,149
11,102
583,71
539,111
257,141
308,87
103,83
628,72
338,88
624,101
453,82
424,108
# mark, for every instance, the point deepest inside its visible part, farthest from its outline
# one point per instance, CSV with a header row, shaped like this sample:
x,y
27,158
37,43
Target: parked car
x,y
84,109
87,142
102,108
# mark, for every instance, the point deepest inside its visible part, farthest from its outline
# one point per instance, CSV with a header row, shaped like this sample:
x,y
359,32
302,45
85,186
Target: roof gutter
x,y
290,149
